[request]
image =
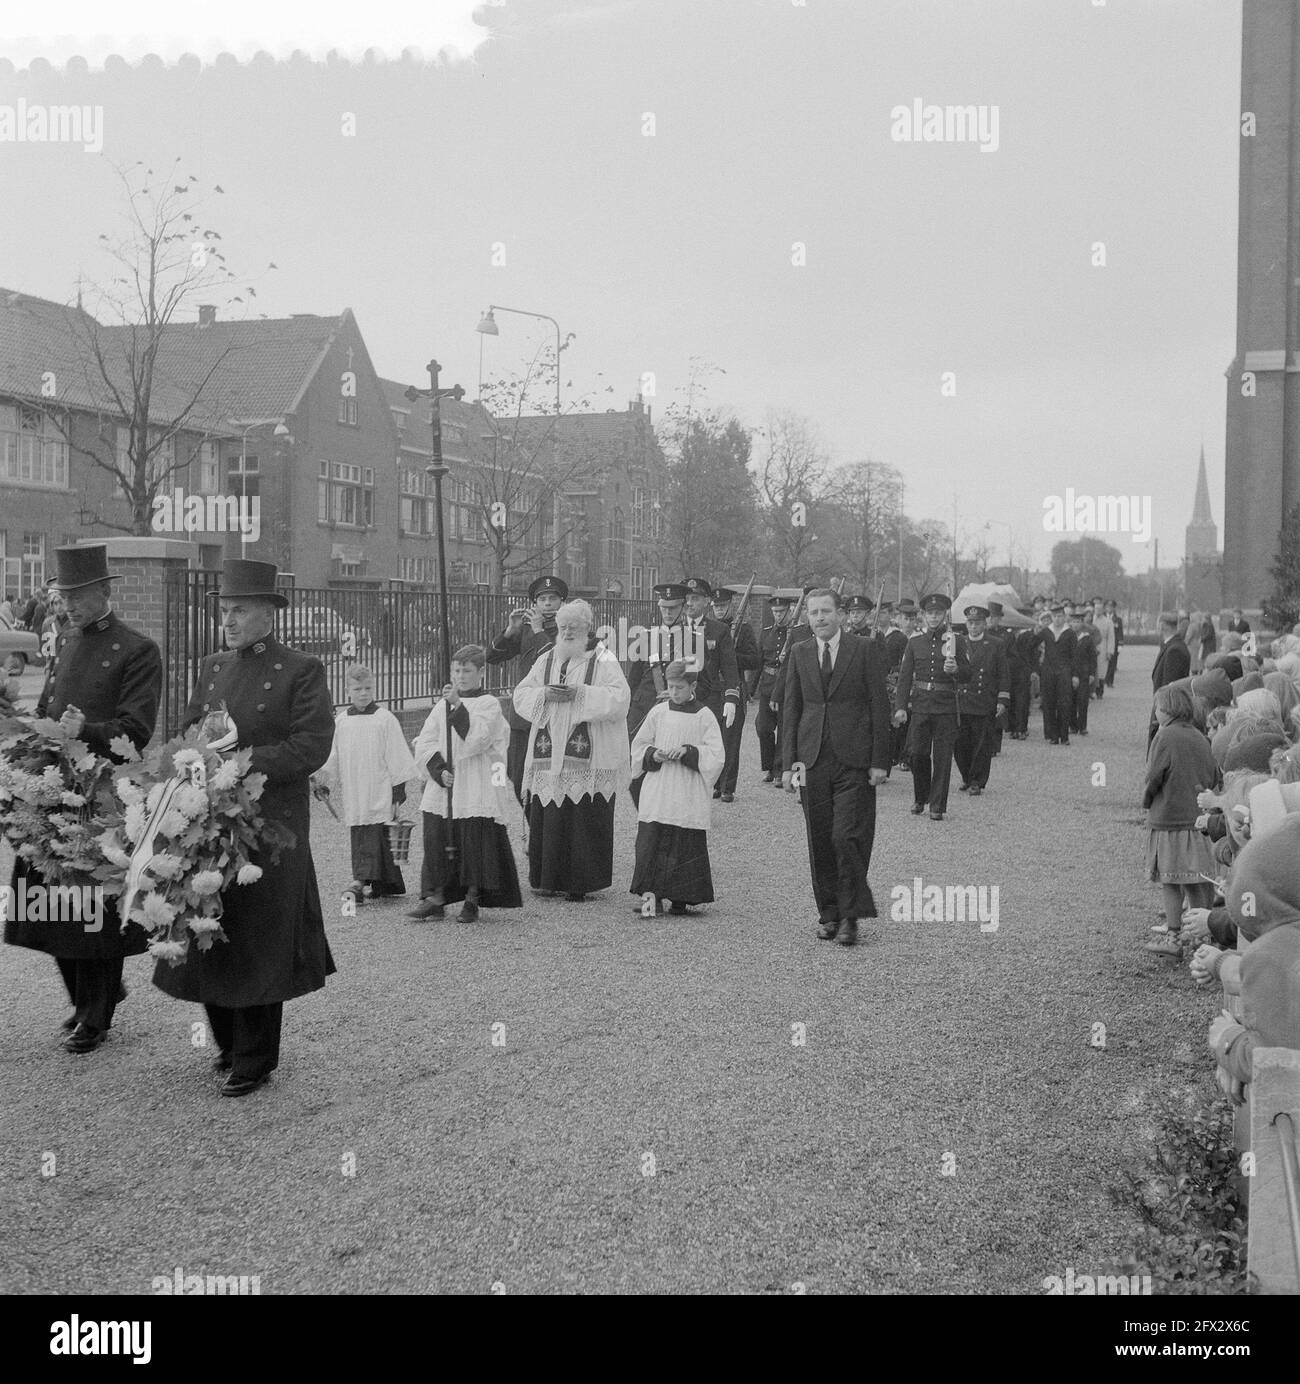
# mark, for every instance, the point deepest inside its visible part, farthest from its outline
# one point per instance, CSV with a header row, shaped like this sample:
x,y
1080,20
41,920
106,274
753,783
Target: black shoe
x,y
242,1085
1066,740
728,797
717,792
1053,742
965,788
917,809
767,778
681,910
826,932
468,912
576,898
426,908
847,936
936,816
976,790
222,1062
1083,732
84,1038
69,1024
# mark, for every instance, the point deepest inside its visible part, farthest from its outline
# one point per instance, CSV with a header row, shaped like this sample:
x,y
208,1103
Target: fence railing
x,y
1273,1246
396,634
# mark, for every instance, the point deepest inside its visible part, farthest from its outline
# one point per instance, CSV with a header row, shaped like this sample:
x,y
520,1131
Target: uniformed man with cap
x,y
895,645
671,639
1054,650
104,680
718,686
529,634
1085,669
748,662
858,616
983,701
1017,673
767,721
799,630
934,663
280,705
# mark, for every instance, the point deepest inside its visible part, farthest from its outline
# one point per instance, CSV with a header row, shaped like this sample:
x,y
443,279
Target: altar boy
x,y
679,750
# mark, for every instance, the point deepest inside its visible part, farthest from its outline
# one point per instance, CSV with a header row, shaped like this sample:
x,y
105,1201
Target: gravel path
x,y
649,1122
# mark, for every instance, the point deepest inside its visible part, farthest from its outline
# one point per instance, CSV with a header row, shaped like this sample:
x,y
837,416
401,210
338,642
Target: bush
x,y
1193,1238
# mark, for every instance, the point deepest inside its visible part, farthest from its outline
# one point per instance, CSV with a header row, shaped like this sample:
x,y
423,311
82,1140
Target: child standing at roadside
x,y
371,764
1179,767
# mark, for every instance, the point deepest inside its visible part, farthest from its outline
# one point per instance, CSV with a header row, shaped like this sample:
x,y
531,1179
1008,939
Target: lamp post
x,y
438,471
488,326
988,523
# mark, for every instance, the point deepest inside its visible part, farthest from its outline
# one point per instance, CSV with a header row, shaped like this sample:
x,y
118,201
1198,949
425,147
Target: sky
x,y
725,184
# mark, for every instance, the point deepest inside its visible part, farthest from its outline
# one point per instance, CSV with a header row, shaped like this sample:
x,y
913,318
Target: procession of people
x,y
846,691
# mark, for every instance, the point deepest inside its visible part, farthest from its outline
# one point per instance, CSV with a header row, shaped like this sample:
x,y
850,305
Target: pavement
x,y
571,1098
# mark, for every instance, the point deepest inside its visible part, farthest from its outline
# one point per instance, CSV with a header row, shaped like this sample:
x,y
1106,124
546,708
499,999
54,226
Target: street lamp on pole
x,y
1011,574
488,327
438,470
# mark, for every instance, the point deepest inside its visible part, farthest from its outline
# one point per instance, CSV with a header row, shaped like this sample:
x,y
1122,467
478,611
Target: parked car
x,y
21,642
319,630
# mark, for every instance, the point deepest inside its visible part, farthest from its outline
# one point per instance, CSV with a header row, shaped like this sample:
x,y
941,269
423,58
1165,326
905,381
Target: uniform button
x,y
117,646
261,706
278,666
267,686
206,706
107,664
212,687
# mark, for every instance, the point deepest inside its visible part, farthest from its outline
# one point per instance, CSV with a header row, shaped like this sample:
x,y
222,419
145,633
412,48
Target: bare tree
x,y
864,499
165,259
793,494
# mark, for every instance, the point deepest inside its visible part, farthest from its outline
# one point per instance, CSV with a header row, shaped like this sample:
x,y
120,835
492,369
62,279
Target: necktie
x,y
826,665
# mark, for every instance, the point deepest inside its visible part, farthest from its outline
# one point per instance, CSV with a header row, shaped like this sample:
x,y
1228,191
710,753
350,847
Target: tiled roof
x,y
250,369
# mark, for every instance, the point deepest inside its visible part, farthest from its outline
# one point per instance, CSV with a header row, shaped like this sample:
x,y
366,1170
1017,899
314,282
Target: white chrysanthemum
x,y
249,874
155,796
114,854
86,763
156,912
133,822
168,951
184,758
124,748
165,866
226,777
199,924
172,823
72,800
190,800
206,882
51,778
130,793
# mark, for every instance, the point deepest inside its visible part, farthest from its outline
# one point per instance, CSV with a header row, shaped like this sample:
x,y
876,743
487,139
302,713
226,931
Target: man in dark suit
x,y
1238,624
279,702
529,633
104,681
1054,652
1116,619
835,749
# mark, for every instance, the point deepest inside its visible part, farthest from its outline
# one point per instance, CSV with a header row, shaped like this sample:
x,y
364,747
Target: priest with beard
x,y
575,699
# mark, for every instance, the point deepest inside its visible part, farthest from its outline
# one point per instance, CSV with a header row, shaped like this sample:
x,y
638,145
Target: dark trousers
x,y
767,726
1058,698
731,744
93,988
516,754
1110,668
973,749
929,747
250,1035
1082,695
839,808
1018,716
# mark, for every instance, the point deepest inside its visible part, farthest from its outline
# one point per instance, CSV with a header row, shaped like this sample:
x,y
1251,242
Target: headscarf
x,y
1259,701
1254,752
1230,663
1212,687
1248,682
1286,692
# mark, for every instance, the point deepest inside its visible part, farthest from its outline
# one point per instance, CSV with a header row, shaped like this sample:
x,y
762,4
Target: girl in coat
x,y
679,750
462,753
1179,767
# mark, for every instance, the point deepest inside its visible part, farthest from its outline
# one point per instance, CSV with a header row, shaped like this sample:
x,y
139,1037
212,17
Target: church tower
x,y
1202,533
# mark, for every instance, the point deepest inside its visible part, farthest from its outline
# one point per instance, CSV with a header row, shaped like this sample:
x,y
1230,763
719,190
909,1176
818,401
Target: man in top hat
x,y
279,702
718,686
1054,651
767,722
103,682
934,663
983,701
529,634
748,662
672,638
835,747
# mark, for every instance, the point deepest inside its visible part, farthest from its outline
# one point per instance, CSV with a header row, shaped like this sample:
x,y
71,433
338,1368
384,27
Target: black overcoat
x,y
280,703
113,675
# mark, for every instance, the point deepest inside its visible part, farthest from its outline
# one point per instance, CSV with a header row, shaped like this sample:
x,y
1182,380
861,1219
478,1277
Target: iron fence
x,y
396,634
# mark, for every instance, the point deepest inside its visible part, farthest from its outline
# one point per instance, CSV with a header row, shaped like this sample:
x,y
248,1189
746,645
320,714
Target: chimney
x,y
207,314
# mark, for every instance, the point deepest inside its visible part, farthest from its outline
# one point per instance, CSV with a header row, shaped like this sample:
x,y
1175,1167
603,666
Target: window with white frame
x,y
209,468
348,411
345,494
32,449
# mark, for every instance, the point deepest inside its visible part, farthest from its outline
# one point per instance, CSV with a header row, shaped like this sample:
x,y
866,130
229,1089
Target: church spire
x,y
1201,508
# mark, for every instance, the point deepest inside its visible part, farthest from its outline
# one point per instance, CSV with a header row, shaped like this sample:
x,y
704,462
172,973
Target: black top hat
x,y
82,566
697,586
860,603
544,584
671,591
242,577
936,600
976,612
